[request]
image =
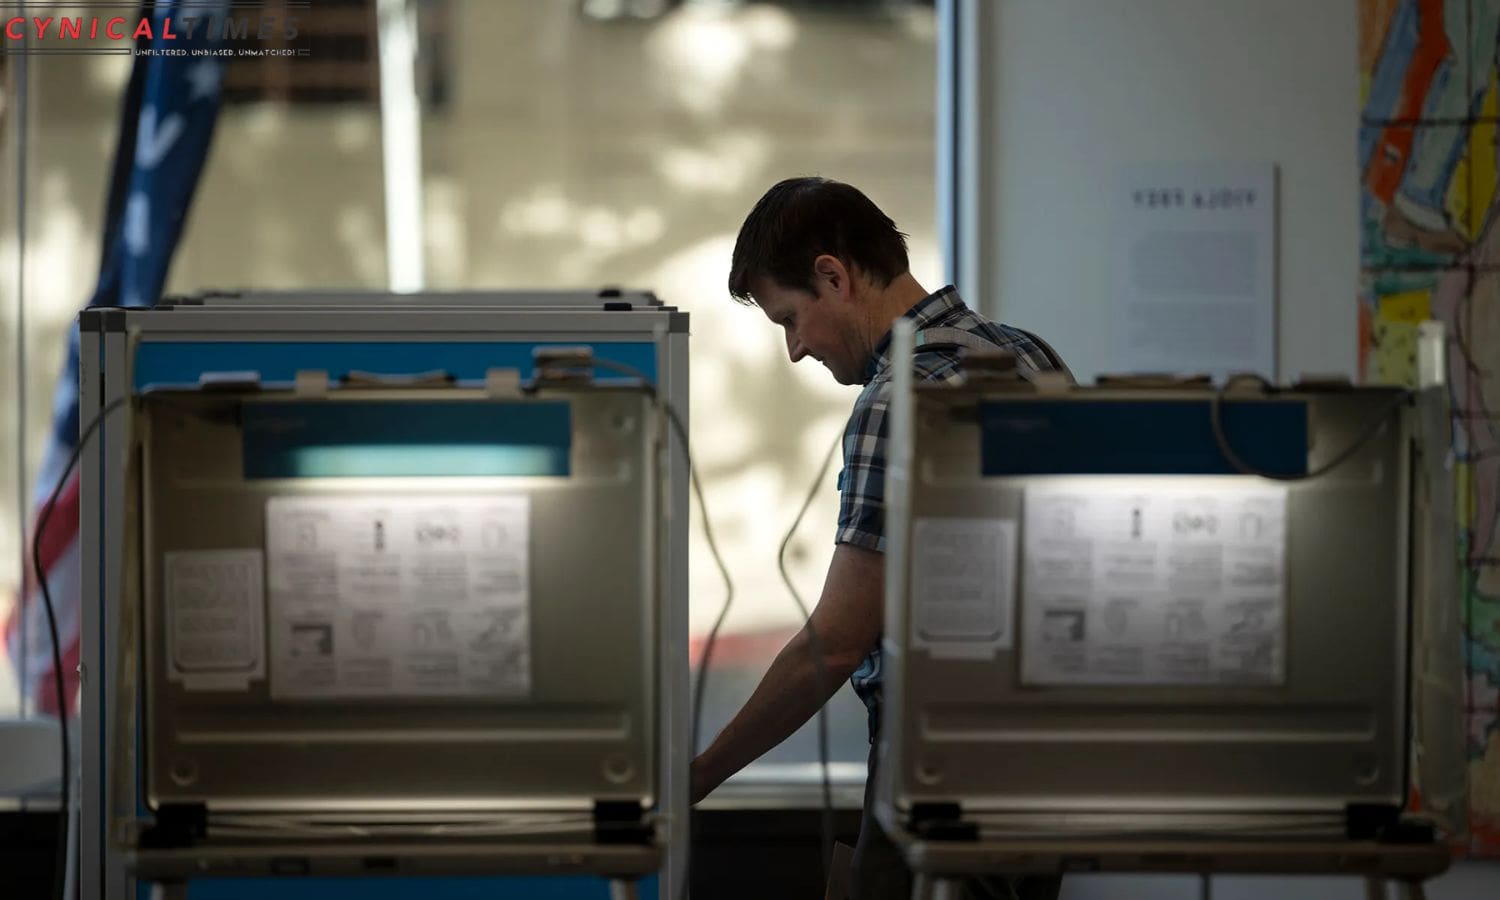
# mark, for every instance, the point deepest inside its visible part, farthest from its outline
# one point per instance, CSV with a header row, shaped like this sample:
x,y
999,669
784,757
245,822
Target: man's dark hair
x,y
799,220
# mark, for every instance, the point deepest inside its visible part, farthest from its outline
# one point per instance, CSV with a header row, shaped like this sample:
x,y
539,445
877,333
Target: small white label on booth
x,y
1161,584
416,596
963,575
215,607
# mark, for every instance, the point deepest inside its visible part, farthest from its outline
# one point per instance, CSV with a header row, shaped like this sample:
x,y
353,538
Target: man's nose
x,y
794,348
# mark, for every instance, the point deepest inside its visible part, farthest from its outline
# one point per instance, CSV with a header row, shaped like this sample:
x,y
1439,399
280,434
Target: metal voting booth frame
x,y
992,765
274,337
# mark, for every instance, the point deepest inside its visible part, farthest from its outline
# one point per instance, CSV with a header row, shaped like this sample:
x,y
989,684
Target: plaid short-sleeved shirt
x,y
862,481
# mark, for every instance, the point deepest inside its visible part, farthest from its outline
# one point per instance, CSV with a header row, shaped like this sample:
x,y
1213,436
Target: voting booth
x,y
1107,646
385,586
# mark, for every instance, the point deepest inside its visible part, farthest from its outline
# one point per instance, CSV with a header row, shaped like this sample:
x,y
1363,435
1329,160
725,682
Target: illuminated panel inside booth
x,y
389,439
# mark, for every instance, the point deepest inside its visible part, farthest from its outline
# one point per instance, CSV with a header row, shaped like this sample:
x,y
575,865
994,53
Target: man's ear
x,y
831,275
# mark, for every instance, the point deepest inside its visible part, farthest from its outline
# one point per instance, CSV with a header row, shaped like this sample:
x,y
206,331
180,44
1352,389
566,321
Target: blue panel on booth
x,y
179,362
1118,437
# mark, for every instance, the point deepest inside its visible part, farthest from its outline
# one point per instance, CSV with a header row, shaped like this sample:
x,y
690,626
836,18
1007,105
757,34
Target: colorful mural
x,y
1430,248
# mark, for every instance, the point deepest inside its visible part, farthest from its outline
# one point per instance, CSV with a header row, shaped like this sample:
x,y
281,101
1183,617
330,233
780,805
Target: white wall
x,y
1072,90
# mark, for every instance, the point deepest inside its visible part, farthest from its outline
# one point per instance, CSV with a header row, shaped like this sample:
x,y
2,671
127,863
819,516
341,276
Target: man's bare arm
x,y
848,623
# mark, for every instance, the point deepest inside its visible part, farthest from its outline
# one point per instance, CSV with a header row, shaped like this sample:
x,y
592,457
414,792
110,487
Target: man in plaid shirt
x,y
830,269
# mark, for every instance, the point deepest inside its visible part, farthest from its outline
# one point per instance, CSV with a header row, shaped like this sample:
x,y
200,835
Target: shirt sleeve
x,y
862,482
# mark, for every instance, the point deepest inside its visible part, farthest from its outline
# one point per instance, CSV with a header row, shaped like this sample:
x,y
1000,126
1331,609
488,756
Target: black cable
x,y
1215,414
708,534
713,634
60,866
985,885
1463,413
816,648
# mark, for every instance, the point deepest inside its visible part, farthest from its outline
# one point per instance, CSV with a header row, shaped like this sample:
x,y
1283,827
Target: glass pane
x,y
291,197
71,109
577,145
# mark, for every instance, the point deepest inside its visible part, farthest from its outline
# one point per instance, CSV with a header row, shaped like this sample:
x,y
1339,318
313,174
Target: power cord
x,y
60,866
1215,414
708,534
815,646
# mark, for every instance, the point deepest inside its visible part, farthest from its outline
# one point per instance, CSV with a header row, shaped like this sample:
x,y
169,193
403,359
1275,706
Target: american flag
x,y
166,126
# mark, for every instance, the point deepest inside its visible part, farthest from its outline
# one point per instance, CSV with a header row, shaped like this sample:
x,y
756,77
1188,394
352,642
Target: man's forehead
x,y
767,295
772,297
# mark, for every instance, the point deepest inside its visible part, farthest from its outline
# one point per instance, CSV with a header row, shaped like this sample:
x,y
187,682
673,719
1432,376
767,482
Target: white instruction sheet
x,y
417,596
963,576
1193,269
215,610
1154,584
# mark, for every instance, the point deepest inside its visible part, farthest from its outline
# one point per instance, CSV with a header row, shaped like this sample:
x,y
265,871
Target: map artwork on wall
x,y
1430,249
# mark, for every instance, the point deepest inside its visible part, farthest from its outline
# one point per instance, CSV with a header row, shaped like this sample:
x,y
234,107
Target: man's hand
x,y
847,620
699,786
